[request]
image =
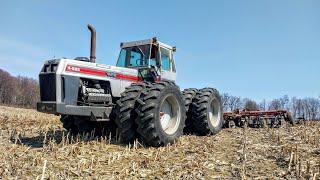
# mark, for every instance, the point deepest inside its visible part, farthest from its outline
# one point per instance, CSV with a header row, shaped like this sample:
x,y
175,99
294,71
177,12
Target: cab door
x,y
168,71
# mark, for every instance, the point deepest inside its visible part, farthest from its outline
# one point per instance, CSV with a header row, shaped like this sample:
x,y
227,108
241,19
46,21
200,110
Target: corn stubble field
x,y
34,145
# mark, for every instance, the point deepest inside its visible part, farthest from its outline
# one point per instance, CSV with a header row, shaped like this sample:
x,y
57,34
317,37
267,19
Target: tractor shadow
x,y
59,137
41,139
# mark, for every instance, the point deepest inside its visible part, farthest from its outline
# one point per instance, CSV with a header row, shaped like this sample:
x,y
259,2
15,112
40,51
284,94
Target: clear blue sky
x,y
255,49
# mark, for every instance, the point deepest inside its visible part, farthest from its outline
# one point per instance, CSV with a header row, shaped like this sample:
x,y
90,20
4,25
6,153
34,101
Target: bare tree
x,y
311,107
250,105
300,108
235,103
7,89
18,91
275,104
230,103
225,98
263,105
284,102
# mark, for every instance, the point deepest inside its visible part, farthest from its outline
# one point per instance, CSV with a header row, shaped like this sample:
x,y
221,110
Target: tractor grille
x,y
47,79
47,86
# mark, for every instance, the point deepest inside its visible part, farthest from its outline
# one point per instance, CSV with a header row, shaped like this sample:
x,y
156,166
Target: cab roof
x,y
145,42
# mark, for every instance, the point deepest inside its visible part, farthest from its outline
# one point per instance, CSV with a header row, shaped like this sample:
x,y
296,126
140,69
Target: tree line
x,y
24,92
18,91
307,108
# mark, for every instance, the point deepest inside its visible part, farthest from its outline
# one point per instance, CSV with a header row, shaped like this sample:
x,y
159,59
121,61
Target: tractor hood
x,y
118,77
91,70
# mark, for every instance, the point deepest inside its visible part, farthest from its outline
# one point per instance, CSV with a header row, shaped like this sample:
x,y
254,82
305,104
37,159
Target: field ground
x,y
34,145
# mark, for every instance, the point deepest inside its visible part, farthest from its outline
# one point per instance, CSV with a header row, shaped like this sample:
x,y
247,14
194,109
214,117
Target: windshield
x,y
135,56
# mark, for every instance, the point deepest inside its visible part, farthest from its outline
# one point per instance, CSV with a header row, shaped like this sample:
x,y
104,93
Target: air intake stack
x,y
92,43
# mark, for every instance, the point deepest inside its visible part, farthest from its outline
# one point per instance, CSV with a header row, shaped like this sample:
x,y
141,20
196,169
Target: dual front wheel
x,y
162,113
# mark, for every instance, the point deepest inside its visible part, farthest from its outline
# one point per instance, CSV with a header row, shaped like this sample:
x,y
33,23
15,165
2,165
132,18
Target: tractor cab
x,y
152,58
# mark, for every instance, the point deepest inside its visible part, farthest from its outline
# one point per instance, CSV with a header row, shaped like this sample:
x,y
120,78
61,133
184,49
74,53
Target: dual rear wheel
x,y
207,117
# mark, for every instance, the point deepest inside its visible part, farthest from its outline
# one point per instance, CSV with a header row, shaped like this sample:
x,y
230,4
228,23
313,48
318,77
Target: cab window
x,y
135,56
165,59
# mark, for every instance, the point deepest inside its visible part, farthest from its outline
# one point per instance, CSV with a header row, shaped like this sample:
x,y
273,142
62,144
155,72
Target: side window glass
x,y
122,58
135,59
165,59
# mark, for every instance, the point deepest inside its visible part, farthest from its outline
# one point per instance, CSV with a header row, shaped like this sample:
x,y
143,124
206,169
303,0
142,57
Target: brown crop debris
x,y
34,145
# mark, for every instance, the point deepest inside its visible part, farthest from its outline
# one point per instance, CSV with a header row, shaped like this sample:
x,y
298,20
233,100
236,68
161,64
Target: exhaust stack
x,y
92,44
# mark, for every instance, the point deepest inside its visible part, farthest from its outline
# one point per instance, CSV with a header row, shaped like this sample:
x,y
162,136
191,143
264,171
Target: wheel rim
x,y
214,113
170,114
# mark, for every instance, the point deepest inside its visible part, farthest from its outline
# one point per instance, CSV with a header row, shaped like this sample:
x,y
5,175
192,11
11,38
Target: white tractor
x,y
138,96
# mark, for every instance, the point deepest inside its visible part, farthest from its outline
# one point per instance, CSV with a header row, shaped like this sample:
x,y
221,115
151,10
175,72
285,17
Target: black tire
x,y
282,122
188,95
125,111
237,122
68,124
172,83
289,118
263,123
149,126
229,124
202,102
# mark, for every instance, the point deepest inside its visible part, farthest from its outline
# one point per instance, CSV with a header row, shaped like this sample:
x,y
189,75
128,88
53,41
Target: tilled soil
x,y
34,145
